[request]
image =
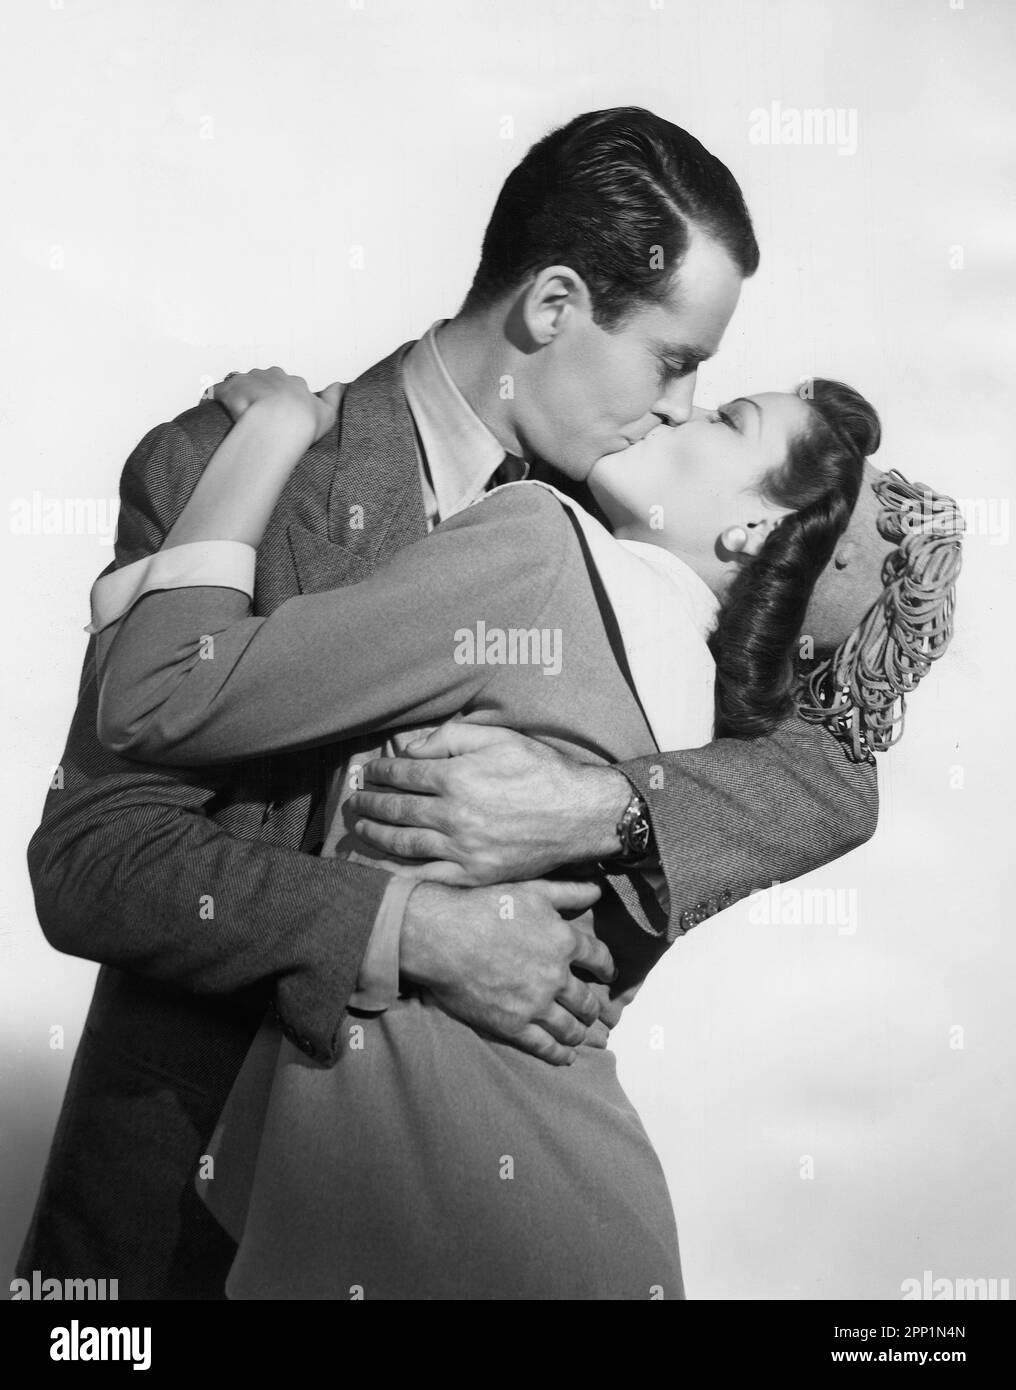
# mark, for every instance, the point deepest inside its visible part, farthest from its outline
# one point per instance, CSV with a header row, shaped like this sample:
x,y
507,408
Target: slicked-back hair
x,y
613,194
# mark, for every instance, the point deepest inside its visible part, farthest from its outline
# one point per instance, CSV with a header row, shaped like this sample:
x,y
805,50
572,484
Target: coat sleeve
x,y
129,870
739,814
191,677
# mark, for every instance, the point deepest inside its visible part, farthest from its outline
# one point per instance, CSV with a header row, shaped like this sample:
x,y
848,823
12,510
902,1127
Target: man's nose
x,y
677,403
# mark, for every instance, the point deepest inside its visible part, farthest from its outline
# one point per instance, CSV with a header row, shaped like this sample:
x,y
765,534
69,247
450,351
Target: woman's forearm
x,y
191,677
238,490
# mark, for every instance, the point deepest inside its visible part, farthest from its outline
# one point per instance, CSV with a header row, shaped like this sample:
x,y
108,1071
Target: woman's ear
x,y
555,294
844,553
759,531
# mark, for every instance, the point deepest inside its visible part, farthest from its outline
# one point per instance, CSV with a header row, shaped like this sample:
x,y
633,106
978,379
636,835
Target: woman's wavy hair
x,y
756,639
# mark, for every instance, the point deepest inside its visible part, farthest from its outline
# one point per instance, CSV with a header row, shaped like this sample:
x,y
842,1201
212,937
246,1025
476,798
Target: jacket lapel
x,y
321,564
353,499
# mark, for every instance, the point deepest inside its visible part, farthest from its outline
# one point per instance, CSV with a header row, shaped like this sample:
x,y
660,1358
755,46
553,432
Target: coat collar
x,y
353,499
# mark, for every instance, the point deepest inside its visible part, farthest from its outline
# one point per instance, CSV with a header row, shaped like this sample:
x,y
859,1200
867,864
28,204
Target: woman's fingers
x,y
328,408
231,394
240,390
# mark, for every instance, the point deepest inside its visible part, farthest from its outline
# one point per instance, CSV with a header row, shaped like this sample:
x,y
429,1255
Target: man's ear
x,y
556,295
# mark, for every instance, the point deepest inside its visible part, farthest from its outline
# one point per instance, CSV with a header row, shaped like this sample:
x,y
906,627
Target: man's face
x,y
593,391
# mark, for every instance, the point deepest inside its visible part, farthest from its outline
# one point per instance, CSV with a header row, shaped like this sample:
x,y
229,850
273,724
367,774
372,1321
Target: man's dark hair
x,y
611,194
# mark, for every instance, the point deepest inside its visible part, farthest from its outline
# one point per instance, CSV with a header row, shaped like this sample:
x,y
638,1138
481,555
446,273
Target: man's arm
x,y
728,818
128,869
739,815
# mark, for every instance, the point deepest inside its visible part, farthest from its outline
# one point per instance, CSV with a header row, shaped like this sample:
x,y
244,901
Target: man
x,y
611,266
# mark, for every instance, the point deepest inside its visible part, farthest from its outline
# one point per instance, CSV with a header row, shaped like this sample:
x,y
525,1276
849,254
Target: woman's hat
x,y
882,609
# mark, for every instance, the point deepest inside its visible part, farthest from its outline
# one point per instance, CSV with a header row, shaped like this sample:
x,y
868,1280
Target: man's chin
x,y
574,470
611,457
581,469
600,463
599,479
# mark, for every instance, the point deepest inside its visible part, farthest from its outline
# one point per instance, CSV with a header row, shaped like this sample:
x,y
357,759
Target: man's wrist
x,y
635,835
607,796
419,960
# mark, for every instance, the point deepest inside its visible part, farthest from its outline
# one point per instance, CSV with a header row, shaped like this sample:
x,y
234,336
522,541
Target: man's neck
x,y
478,357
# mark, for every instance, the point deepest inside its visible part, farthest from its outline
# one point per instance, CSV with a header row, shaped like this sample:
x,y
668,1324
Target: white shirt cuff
x,y
377,985
215,564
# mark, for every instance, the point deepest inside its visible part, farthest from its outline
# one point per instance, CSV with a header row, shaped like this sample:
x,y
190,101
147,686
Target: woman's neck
x,y
713,573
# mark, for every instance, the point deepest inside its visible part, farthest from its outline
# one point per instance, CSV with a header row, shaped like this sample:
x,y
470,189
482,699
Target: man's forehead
x,y
685,325
700,299
675,345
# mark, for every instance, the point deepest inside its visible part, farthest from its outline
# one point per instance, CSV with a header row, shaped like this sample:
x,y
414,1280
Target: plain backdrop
x,y
192,188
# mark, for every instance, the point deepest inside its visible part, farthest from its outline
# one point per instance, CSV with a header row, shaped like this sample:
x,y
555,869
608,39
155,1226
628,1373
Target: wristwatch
x,y
635,832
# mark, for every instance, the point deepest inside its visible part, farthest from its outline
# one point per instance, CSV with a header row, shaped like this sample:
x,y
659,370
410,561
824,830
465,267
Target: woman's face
x,y
683,486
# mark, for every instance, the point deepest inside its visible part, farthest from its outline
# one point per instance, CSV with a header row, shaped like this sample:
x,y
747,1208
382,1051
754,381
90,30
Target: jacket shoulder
x,y
517,508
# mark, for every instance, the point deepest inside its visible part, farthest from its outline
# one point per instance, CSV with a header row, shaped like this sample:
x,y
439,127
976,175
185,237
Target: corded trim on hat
x,y
859,692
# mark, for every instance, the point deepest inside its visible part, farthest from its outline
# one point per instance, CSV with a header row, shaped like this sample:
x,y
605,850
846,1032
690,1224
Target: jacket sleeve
x,y
129,870
191,677
739,814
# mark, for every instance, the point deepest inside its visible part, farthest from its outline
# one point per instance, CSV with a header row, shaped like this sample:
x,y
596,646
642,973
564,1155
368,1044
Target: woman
x,y
432,1162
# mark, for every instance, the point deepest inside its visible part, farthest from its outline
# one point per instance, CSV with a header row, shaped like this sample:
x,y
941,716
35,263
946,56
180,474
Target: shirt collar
x,y
699,599
460,452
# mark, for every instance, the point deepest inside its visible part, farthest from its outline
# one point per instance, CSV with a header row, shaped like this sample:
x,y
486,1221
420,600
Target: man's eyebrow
x,y
682,353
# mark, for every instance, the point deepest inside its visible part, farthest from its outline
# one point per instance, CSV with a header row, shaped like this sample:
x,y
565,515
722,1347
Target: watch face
x,y
638,835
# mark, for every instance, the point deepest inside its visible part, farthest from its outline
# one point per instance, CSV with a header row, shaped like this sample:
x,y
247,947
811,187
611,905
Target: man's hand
x,y
512,976
487,805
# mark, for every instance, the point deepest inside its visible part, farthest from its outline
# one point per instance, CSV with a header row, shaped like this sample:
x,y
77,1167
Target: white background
x,y
184,184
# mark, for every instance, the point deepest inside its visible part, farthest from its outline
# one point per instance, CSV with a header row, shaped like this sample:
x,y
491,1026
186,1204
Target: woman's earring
x,y
734,539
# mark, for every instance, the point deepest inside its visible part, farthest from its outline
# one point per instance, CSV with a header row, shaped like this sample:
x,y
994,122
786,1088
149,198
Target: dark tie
x,y
511,469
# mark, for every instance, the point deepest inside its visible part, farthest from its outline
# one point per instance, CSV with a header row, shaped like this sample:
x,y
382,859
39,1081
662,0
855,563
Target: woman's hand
x,y
276,418
285,396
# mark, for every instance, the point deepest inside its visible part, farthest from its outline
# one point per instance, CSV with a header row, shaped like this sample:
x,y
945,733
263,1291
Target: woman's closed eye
x,y
723,417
